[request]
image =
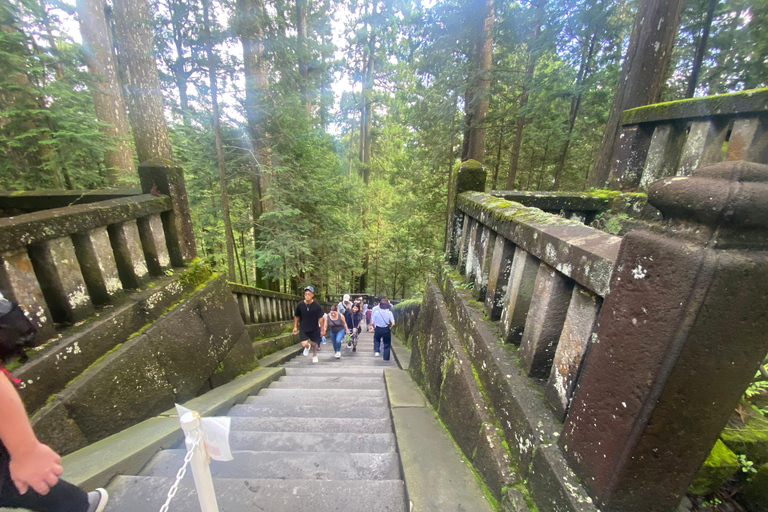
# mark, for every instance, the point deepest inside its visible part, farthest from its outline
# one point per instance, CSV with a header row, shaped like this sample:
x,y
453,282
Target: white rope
x,y
180,474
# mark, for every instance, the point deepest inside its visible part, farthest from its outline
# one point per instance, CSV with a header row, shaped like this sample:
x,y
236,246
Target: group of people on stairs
x,y
346,318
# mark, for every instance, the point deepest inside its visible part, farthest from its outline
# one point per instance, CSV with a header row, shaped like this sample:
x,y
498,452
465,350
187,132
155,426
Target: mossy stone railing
x,y
679,137
62,263
646,342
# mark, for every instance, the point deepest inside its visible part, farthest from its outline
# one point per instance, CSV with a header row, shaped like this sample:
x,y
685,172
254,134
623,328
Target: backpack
x,y
16,333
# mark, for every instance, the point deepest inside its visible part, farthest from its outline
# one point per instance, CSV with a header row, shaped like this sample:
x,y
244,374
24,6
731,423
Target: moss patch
x,y
720,465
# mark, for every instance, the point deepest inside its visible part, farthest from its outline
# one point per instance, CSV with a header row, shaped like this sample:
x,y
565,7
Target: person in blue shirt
x,y
383,320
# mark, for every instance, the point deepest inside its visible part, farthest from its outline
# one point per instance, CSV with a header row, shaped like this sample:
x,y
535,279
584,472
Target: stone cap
x,y
730,194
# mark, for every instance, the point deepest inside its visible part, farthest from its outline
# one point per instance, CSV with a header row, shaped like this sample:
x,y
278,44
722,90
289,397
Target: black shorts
x,y
311,335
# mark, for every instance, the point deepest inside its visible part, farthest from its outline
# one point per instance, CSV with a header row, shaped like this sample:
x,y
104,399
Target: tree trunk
x,y
219,146
701,49
642,75
250,29
303,52
481,83
521,118
133,26
584,70
449,187
107,96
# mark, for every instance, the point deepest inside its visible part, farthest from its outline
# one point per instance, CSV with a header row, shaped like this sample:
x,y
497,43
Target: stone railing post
x,y
679,338
470,176
165,177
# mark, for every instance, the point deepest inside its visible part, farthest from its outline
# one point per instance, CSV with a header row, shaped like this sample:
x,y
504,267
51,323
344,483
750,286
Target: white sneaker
x,y
377,354
306,351
97,500
314,359
338,355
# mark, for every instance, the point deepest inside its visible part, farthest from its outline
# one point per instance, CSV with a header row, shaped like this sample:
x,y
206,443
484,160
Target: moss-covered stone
x,y
471,176
720,465
754,494
754,100
750,440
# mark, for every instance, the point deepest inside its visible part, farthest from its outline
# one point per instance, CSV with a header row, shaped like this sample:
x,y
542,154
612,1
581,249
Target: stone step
x,y
286,465
139,494
290,394
350,379
346,362
336,372
348,398
328,425
339,410
303,383
312,442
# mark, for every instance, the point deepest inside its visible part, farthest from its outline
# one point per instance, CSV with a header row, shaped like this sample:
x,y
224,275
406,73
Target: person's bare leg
x,y
314,349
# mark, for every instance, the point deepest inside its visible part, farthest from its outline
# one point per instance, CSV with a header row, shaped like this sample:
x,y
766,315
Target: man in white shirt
x,y
383,320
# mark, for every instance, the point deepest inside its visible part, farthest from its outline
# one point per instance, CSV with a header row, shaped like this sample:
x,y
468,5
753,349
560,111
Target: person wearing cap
x,y
312,326
345,305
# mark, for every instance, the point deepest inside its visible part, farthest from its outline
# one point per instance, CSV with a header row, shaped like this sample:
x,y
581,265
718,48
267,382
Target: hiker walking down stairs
x,y
337,325
312,326
382,322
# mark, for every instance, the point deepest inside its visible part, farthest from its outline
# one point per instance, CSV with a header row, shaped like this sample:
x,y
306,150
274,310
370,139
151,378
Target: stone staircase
x,y
319,439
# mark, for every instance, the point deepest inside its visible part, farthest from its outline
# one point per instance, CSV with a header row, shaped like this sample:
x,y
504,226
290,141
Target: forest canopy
x,y
319,138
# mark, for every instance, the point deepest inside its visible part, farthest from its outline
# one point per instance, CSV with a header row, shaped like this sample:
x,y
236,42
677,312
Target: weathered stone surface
x,y
750,440
492,461
471,175
554,486
55,428
692,304
153,243
34,228
498,276
514,501
28,201
219,312
168,178
129,255
466,230
270,346
517,302
574,341
703,145
406,314
60,279
97,263
549,306
128,386
721,464
19,284
584,254
460,402
754,494
663,154
748,140
267,330
487,245
629,157
475,232
516,400
241,358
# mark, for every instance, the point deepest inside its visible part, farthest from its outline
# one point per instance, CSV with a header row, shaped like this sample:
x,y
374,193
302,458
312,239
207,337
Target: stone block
x,y
498,276
548,309
464,243
61,280
459,404
549,471
241,359
168,178
487,245
492,461
129,254
517,303
703,145
574,341
430,351
514,501
750,440
270,346
19,284
128,386
218,311
97,262
153,242
267,330
54,427
184,349
754,494
475,232
748,140
721,464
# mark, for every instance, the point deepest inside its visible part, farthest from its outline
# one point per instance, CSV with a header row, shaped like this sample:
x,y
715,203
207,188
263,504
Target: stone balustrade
x,y
679,137
259,306
61,263
646,342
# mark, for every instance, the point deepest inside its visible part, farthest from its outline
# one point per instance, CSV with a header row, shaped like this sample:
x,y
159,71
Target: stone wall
x,y
199,344
406,313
